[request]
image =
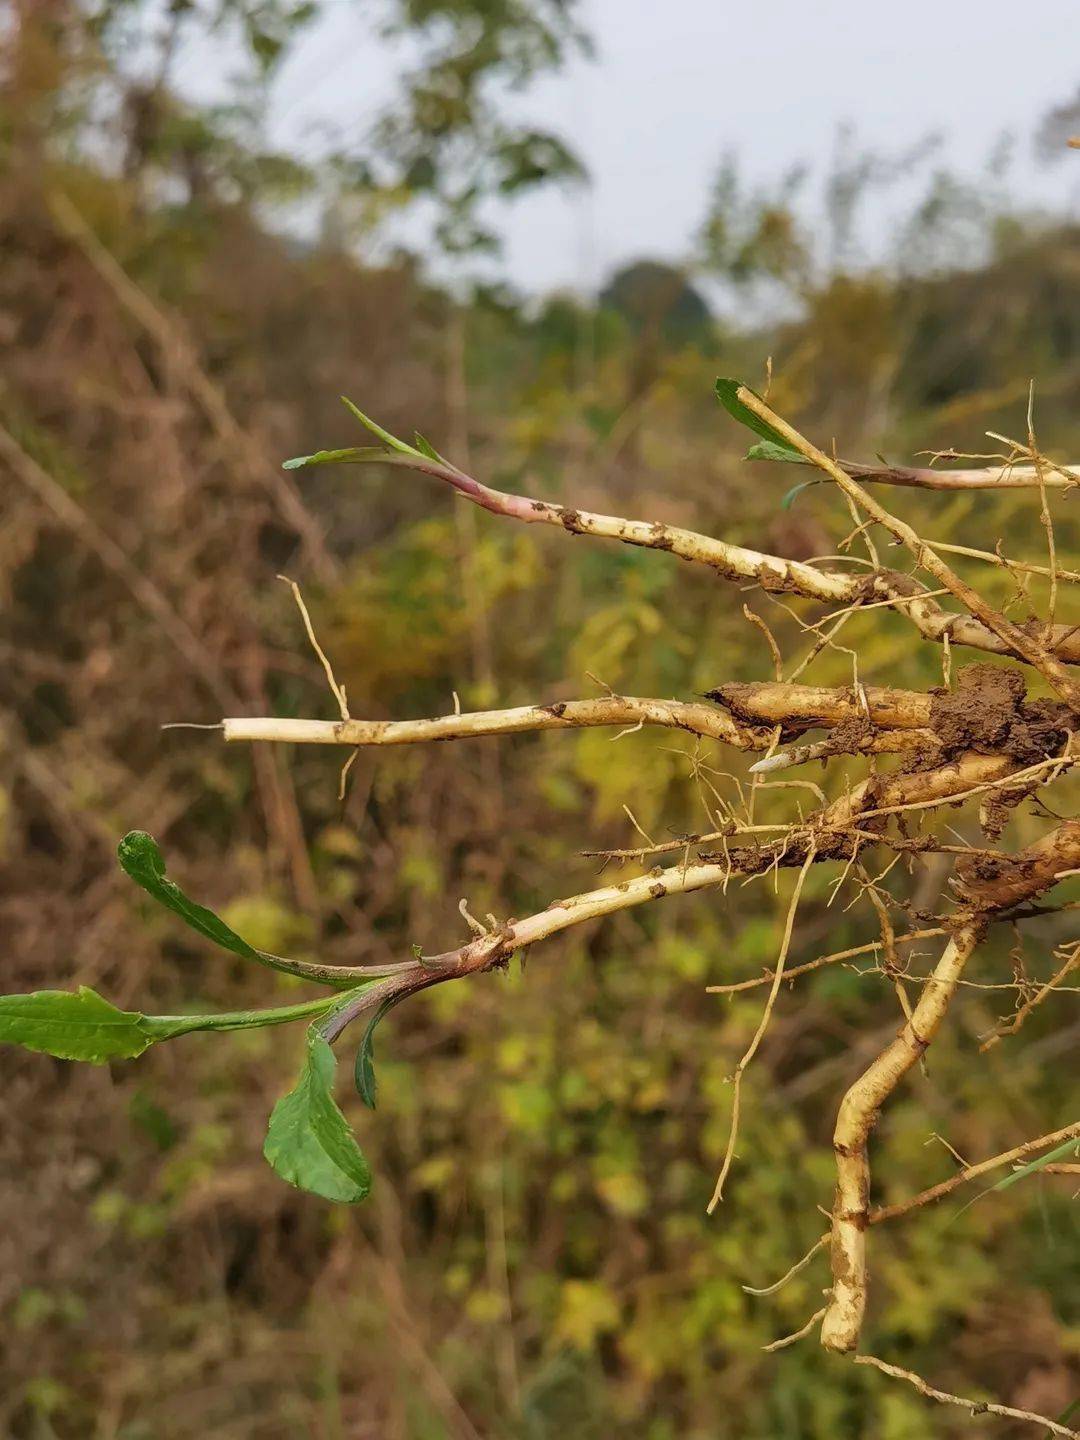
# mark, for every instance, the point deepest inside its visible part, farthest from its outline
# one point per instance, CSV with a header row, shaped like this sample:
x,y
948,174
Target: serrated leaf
x,y
308,1141
142,860
351,455
73,1025
727,392
769,450
364,1070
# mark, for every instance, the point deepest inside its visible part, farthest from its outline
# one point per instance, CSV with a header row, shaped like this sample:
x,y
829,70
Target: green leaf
x,y
384,435
308,1141
353,455
727,392
1067,1147
769,450
793,494
72,1025
425,447
83,1025
168,1027
140,858
364,1071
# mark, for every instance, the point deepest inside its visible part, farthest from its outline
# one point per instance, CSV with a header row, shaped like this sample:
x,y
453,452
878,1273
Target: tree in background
x,y
86,73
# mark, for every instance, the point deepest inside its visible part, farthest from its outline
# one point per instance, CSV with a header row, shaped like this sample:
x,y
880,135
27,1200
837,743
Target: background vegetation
x,y
535,1260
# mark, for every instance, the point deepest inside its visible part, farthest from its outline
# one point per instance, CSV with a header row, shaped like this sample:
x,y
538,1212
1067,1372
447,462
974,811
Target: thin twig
x,y
976,1407
763,1025
797,1334
1012,1026
338,691
770,640
818,1245
1035,652
836,957
1044,511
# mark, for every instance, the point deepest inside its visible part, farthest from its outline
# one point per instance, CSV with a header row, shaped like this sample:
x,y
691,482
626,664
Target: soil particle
x,y
996,810
777,582
988,712
847,737
997,875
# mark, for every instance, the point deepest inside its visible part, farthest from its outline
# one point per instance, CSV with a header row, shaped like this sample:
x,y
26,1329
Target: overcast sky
x,y
676,84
